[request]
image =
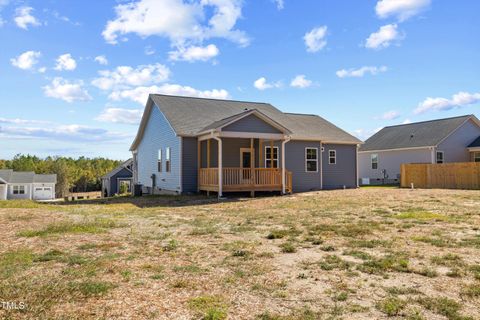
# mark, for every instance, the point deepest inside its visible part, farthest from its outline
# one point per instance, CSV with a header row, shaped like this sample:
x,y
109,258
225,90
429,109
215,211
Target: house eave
x,y
397,149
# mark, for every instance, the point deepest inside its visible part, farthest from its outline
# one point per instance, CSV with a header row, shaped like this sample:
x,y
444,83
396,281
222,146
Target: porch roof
x,y
475,143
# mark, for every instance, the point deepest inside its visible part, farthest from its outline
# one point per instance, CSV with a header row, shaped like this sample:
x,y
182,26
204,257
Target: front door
x,y
245,163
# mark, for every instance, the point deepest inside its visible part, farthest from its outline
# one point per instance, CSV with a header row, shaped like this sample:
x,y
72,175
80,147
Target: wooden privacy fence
x,y
460,175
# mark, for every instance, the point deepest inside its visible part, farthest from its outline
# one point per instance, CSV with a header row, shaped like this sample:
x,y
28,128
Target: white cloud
x,y
70,133
300,81
194,53
119,115
384,37
280,4
315,39
364,134
66,90
262,84
26,60
360,72
101,60
401,9
125,76
390,115
140,94
458,100
65,62
42,69
24,18
407,121
180,21
22,121
149,50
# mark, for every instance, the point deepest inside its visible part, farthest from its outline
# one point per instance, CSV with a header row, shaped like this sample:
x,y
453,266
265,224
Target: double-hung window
x,y
476,157
18,189
440,158
268,157
374,159
159,164
311,159
332,157
167,160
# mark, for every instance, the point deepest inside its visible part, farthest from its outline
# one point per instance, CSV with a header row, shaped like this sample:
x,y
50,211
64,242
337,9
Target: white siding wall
x,y
159,135
391,161
3,192
27,195
455,146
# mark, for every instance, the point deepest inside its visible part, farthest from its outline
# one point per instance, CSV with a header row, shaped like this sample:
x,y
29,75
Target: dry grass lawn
x,y
371,253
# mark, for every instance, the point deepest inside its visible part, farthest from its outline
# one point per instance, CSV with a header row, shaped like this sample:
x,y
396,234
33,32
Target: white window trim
x,y
18,186
335,157
306,160
436,157
373,155
160,160
475,156
274,159
168,156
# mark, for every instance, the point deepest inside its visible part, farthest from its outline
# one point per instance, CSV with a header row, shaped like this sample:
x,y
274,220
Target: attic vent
x,y
411,136
246,109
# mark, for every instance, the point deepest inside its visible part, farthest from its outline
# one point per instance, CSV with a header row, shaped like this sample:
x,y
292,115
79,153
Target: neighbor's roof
x,y
475,143
119,168
190,116
415,135
10,176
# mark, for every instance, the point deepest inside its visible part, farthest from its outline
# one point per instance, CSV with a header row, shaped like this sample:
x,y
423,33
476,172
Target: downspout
x,y
220,166
321,165
284,142
357,174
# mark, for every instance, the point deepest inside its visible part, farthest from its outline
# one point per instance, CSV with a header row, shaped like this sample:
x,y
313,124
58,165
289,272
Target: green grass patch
x,y
391,306
91,288
443,306
12,262
391,262
70,227
332,262
420,215
209,307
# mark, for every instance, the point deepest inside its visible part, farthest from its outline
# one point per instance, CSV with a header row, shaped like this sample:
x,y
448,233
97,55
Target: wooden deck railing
x,y
244,179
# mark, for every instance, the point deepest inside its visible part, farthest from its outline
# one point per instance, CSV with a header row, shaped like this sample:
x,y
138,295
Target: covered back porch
x,y
247,162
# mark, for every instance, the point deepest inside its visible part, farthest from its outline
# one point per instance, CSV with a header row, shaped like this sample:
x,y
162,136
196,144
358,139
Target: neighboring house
x,y
27,185
112,181
438,141
186,145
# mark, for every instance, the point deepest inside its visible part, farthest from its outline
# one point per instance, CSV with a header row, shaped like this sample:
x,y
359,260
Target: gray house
x,y
438,141
121,175
187,145
26,185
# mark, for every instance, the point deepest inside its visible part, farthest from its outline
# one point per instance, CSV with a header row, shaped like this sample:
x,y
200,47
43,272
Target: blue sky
x,y
74,76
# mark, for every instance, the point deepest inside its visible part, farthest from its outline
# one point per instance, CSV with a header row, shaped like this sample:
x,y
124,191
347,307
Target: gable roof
x,y
10,176
189,116
415,135
119,168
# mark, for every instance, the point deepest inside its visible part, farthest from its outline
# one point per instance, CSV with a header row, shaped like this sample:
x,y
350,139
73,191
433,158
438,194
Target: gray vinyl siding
x,y
189,165
251,123
391,161
3,192
159,135
455,146
295,162
124,173
344,172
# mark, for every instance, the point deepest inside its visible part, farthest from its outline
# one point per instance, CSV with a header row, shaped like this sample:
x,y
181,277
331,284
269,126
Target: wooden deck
x,y
240,179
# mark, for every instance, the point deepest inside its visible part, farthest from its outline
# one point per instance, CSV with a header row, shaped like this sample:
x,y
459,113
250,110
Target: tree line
x,y
73,175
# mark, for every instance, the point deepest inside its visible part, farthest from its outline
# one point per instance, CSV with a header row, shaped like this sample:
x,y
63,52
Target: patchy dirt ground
x,y
371,253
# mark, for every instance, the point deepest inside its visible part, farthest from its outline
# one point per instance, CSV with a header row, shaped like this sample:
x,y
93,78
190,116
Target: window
x,y
159,160
374,159
439,156
18,189
332,157
476,157
167,159
311,159
268,157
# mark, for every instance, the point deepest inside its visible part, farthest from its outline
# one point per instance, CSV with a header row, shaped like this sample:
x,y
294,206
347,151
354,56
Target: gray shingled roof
x,y
189,116
414,135
11,176
120,167
475,143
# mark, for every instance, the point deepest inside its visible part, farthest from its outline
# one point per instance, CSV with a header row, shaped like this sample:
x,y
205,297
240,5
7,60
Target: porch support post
x,y
208,153
284,171
271,163
220,167
260,153
252,170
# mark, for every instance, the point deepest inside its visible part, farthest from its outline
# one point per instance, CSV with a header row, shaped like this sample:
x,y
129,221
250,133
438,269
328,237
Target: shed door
x,y
42,193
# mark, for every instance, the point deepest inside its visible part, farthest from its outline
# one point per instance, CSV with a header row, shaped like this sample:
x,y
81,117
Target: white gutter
x,y
283,164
